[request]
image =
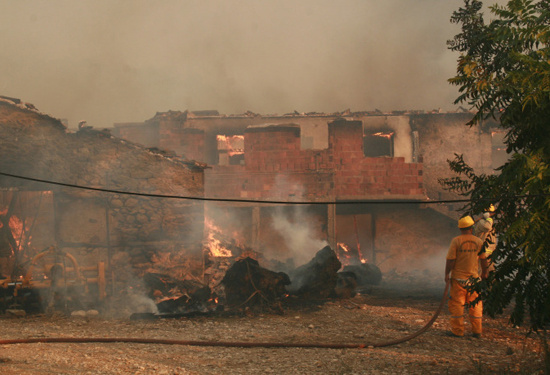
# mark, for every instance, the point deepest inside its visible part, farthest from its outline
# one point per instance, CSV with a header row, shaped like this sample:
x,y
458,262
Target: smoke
x,y
296,225
427,279
298,234
131,302
121,61
140,303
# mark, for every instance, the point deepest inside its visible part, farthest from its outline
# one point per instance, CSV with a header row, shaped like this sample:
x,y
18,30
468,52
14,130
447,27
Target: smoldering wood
x,y
158,282
346,285
365,273
193,295
317,278
247,284
172,305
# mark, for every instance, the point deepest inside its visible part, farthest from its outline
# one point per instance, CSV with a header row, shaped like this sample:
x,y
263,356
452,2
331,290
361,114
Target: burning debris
x,y
156,247
218,244
230,149
316,279
348,254
240,283
188,296
54,281
249,285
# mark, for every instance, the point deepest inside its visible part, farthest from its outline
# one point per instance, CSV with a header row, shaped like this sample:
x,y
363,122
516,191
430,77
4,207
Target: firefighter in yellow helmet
x,y
461,266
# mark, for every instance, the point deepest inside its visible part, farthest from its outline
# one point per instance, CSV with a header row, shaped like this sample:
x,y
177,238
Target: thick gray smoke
x,y
298,235
110,61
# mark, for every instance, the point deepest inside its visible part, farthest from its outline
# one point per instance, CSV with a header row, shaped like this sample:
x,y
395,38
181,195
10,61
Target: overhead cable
x,y
235,200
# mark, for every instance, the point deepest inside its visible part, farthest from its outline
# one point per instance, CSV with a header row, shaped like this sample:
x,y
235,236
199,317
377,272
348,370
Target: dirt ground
x,y
379,314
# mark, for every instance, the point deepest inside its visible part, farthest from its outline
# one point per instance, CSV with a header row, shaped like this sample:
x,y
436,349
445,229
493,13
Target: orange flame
x,y
347,255
232,143
344,253
212,243
16,226
385,135
343,246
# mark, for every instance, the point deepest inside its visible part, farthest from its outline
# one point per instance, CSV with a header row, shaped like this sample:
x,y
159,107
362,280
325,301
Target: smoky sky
x,y
107,61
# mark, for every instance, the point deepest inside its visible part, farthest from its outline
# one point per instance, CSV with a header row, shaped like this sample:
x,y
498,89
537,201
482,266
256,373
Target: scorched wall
x,y
99,226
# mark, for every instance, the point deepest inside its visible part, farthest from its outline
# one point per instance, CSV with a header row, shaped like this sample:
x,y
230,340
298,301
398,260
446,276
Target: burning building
x,y
383,158
278,189
103,220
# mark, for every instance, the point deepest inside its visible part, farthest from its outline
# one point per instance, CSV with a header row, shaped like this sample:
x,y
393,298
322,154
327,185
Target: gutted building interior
x,y
374,157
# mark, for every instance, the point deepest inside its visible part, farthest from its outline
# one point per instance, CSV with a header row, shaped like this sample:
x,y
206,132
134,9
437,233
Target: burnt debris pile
x,y
189,296
247,286
317,278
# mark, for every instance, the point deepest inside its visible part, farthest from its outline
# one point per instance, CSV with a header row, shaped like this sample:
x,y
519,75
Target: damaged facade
x,y
323,158
360,181
114,235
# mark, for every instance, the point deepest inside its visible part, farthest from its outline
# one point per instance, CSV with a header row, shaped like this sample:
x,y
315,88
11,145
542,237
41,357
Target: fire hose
x,y
233,343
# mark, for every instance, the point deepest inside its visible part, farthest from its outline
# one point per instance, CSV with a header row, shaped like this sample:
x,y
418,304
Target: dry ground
x,y
381,314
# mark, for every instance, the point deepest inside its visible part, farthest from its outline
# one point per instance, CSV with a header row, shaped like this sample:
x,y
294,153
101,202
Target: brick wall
x,y
276,168
360,176
192,144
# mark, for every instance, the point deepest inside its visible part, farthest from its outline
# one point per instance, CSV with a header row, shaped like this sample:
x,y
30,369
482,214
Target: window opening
x,y
378,144
230,149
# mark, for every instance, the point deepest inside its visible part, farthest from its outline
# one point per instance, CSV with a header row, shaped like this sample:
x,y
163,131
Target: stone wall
x,y
93,224
147,136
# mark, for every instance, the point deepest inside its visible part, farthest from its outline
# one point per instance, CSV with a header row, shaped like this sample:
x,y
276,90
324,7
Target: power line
x,y
347,201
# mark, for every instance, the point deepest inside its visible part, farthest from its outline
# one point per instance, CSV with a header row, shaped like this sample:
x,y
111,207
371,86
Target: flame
x,y
382,134
212,243
234,144
214,299
347,255
344,255
343,246
16,226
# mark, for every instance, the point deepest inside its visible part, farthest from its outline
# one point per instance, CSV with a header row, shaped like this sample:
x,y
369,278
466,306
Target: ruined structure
x,y
125,233
336,158
118,203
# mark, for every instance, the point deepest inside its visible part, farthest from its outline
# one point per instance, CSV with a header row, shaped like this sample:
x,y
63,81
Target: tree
x,y
503,72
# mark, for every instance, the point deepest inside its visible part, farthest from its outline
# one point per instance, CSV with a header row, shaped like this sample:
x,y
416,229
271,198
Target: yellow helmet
x,y
465,222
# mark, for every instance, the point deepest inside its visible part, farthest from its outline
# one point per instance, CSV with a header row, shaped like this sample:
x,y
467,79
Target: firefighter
x,y
483,229
461,268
